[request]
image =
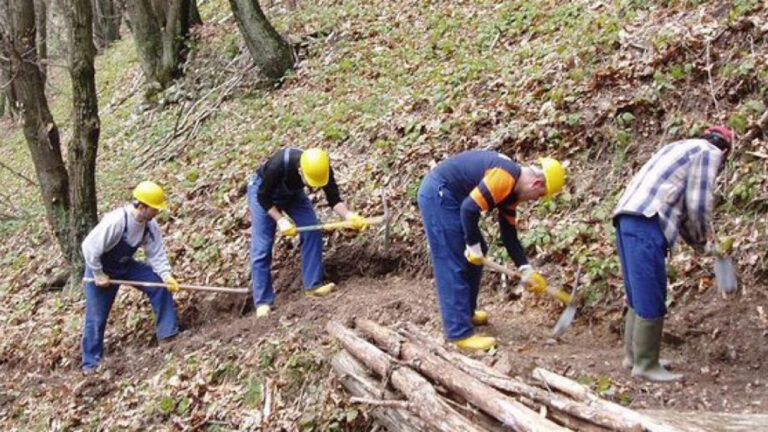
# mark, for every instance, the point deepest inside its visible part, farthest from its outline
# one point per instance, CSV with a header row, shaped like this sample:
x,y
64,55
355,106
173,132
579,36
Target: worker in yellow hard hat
x,y
277,200
451,199
108,252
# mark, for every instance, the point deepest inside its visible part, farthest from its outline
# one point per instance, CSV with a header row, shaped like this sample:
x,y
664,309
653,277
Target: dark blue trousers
x,y
642,251
458,281
299,208
99,300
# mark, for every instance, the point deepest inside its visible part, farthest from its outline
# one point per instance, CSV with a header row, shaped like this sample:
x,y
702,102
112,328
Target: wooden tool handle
x,y
554,292
227,290
330,226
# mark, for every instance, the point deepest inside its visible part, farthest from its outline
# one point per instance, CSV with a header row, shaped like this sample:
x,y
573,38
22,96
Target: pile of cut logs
x,y
415,384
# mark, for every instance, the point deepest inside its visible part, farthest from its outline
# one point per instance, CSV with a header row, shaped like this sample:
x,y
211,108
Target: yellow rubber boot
x,y
321,291
480,318
263,311
477,343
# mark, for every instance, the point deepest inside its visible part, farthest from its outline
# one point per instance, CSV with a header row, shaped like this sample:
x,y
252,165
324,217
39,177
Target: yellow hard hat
x,y
151,194
316,166
554,173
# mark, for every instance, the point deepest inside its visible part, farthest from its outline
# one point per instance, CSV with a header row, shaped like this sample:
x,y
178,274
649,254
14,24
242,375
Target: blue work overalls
x,y
458,281
118,263
298,206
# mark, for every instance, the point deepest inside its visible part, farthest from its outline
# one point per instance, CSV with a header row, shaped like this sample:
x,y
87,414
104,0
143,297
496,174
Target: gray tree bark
x,y
40,130
161,30
271,53
7,97
106,17
81,156
41,25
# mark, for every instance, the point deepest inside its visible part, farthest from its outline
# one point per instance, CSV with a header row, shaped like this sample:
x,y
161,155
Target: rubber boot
x,y
262,311
480,318
629,327
646,343
475,342
321,291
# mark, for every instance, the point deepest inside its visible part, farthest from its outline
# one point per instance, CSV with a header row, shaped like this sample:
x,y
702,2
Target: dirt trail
x,y
724,365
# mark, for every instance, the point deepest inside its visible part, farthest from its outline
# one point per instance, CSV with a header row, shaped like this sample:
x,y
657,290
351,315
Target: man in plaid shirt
x,y
672,194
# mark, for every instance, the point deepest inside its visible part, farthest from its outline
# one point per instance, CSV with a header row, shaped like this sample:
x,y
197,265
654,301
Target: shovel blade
x,y
725,275
566,319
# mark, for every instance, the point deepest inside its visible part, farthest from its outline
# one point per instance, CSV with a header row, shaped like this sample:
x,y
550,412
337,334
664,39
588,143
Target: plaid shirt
x,y
677,184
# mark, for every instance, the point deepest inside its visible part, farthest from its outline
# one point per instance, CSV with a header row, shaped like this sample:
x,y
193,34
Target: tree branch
x,y
18,174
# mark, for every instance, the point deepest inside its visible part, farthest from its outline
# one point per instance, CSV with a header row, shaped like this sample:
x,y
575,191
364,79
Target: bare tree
x,y
69,197
161,30
107,16
81,155
41,26
7,96
271,53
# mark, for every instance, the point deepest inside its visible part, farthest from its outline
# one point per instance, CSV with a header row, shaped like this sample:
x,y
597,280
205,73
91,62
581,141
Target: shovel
x,y
225,290
569,299
725,275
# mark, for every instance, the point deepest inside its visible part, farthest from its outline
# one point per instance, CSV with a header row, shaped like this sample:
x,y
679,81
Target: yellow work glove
x,y
286,227
532,280
100,279
358,222
474,254
172,284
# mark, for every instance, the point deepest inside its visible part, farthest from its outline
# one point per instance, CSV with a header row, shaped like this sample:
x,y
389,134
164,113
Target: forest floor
x,y
600,85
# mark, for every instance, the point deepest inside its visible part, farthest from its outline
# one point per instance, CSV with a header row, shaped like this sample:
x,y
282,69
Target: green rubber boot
x,y
629,328
646,344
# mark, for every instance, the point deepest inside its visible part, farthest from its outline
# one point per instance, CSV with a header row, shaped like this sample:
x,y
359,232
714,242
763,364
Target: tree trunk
x,y
268,49
556,403
582,393
507,410
106,17
194,14
359,382
161,30
41,24
420,393
40,131
8,98
81,157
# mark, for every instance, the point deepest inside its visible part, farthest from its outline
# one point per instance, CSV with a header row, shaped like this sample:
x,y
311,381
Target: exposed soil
x,y
724,365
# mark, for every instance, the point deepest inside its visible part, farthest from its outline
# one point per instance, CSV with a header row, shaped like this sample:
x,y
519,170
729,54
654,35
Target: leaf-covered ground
x,y
392,88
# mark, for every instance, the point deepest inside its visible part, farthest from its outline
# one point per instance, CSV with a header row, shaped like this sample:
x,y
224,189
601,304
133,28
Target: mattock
x,y
569,299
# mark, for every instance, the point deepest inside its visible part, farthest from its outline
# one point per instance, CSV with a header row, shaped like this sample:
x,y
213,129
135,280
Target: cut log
x,y
356,378
417,389
493,378
583,393
507,410
711,421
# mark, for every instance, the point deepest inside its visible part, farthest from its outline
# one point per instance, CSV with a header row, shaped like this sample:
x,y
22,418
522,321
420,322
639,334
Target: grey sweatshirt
x,y
108,232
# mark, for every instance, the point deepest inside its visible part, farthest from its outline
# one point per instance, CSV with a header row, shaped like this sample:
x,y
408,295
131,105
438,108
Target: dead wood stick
x,y
392,403
493,378
565,419
416,388
358,381
17,174
761,126
507,410
583,393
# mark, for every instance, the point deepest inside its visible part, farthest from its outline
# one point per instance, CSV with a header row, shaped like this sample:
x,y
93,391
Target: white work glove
x,y
286,227
711,249
100,279
474,254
